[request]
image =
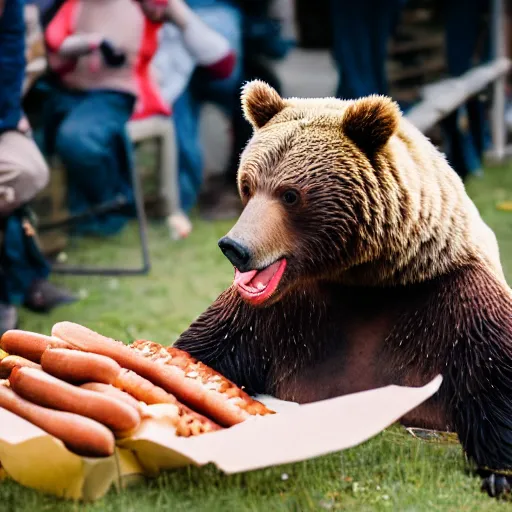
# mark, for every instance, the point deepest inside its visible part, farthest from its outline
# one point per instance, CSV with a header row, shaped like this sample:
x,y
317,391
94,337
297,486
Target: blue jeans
x,y
87,131
465,147
21,260
361,30
227,20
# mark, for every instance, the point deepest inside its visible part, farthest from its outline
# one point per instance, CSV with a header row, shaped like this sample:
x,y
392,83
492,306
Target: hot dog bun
x,y
203,388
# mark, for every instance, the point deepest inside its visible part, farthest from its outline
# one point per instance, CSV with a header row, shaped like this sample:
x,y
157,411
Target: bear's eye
x,y
290,197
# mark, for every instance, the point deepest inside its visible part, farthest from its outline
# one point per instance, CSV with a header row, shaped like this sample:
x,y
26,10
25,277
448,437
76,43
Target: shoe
x,y
8,318
179,226
44,296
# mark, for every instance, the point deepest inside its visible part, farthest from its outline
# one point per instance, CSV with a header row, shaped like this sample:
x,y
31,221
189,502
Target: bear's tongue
x,y
255,280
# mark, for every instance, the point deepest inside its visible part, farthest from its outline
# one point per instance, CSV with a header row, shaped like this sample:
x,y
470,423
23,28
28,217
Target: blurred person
x,y
94,50
187,85
466,130
101,53
23,173
266,37
361,33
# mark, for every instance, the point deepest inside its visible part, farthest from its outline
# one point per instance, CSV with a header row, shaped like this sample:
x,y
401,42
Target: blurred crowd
x,y
111,61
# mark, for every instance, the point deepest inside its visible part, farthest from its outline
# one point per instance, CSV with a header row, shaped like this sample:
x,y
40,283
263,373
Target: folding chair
x,y
138,130
111,206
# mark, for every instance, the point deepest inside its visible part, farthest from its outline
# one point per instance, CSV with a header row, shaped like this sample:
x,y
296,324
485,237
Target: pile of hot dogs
x,y
88,390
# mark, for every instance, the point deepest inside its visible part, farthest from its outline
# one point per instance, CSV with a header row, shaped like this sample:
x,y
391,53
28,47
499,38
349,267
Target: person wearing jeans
x,y
23,173
267,37
187,86
361,32
465,146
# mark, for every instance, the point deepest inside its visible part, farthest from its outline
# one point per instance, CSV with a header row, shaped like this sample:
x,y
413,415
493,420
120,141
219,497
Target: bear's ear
x,y
260,103
369,122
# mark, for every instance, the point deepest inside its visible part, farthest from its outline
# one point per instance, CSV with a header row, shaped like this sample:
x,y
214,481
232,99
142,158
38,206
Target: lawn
x,y
390,472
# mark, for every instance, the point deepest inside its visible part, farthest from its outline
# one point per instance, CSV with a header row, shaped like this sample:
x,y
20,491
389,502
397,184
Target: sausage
x,y
29,345
226,402
75,366
89,341
227,407
109,390
80,435
78,367
45,390
189,422
142,389
9,362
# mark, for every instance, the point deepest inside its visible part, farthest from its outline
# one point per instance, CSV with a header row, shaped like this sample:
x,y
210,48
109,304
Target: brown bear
x,y
361,262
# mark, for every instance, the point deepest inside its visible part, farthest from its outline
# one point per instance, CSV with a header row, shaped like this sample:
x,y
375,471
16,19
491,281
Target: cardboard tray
x,y
298,432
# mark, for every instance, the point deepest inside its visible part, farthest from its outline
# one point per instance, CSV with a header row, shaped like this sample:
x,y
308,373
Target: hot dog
x,y
43,389
142,389
29,345
114,392
190,423
82,436
201,388
75,366
9,362
232,404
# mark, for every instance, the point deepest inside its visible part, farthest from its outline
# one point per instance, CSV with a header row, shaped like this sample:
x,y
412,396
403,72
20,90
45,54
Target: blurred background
x,y
120,134
121,130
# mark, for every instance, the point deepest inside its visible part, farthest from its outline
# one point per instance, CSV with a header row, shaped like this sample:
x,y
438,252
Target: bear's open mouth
x,y
256,286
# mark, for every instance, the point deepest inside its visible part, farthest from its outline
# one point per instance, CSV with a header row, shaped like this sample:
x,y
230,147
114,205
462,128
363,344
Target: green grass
x,y
393,471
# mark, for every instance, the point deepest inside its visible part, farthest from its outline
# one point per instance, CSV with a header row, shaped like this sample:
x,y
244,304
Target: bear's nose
x,y
236,253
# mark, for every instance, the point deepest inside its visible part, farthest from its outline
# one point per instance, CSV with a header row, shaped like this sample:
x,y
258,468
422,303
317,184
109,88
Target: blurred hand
x,y
24,126
112,56
154,10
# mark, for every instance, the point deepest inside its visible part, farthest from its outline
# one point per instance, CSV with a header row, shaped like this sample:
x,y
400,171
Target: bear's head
x,y
338,191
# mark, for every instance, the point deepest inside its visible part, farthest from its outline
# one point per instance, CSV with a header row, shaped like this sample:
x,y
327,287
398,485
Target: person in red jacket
x,y
100,52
